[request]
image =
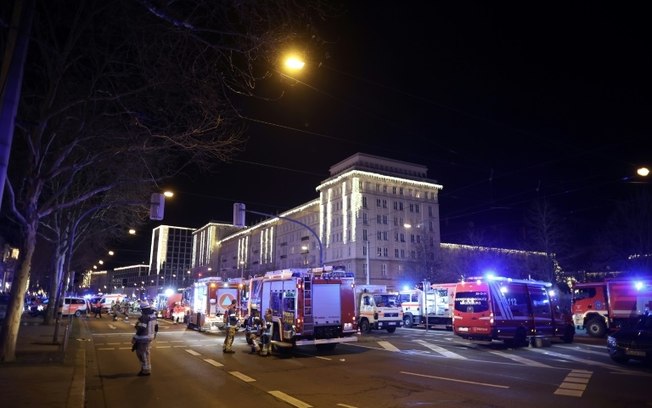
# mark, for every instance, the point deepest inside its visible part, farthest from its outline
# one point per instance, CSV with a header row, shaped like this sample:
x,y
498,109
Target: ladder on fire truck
x,y
308,321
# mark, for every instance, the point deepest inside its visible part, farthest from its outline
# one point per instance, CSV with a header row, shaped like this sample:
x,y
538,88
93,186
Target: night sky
x,y
504,104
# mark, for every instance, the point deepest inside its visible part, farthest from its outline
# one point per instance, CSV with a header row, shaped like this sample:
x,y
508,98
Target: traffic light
x,y
156,207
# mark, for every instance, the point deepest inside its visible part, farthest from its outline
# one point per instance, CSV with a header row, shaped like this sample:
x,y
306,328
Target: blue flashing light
x,y
638,285
406,287
490,275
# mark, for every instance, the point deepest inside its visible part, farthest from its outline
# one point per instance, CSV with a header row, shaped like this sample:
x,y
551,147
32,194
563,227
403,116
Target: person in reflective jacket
x,y
146,330
230,322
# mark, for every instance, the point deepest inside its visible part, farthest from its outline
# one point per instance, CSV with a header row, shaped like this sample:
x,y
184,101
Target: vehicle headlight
x,y
611,341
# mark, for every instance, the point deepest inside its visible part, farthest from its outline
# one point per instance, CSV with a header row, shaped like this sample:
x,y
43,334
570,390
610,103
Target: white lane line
x,y
163,347
290,400
454,380
323,358
519,359
243,377
193,352
574,384
213,362
440,350
346,406
388,346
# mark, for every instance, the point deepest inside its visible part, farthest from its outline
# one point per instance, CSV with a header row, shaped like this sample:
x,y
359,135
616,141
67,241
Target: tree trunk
x,y
11,324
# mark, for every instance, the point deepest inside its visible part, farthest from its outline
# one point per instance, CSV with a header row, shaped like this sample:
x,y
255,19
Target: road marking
x,y
193,352
346,406
580,360
105,348
163,347
213,362
290,400
323,358
519,359
241,376
574,384
388,346
440,350
455,380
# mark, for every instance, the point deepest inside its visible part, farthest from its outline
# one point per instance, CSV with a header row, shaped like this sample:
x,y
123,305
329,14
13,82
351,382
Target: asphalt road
x,y
410,368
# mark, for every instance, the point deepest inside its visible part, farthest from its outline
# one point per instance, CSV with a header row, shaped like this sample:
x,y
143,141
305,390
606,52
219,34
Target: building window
x,y
379,219
379,236
378,203
384,203
385,252
364,219
383,270
364,234
364,202
396,253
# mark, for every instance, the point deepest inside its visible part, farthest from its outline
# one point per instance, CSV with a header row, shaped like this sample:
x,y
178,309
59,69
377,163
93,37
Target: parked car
x,y
75,306
632,342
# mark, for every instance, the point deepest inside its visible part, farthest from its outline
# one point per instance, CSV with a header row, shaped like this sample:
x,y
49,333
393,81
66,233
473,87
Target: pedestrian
x,y
230,322
146,330
97,309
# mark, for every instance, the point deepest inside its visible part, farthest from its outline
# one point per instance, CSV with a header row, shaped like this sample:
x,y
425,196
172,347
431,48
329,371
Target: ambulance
x,y
516,312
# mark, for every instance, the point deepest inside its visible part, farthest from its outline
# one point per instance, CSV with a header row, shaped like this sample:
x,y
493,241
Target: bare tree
x,y
134,92
546,233
625,242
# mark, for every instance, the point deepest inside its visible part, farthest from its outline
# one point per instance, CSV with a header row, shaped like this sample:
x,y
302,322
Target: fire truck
x,y
309,306
600,307
209,298
517,312
434,305
377,308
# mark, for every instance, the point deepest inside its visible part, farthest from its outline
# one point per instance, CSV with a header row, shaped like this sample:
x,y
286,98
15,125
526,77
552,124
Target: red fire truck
x,y
209,298
313,306
600,307
518,312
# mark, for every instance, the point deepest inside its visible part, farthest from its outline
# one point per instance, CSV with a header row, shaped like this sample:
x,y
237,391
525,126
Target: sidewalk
x,y
47,373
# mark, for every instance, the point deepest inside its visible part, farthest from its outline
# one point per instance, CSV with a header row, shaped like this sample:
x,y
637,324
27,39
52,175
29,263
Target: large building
x,y
170,257
378,217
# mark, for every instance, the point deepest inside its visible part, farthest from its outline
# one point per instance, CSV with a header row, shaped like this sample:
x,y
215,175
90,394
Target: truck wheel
x,y
77,313
596,328
407,321
364,325
391,329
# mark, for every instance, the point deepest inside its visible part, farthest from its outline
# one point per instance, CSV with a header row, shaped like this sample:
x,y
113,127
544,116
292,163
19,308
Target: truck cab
x,y
377,309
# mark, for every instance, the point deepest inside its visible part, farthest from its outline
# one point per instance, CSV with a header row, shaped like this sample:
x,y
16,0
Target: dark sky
x,y
503,102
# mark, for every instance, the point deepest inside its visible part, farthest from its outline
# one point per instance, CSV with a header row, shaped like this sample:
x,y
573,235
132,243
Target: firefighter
x,y
115,310
254,330
230,322
146,330
266,335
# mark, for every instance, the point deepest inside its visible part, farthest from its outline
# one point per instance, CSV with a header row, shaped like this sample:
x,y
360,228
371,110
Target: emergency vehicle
x,y
376,308
209,298
517,312
435,304
310,306
600,307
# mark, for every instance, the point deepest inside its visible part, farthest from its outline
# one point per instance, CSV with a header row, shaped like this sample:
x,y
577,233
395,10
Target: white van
x,y
75,306
108,300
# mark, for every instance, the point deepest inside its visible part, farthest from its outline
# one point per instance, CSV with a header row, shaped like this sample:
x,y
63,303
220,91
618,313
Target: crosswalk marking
x,y
574,384
440,350
519,359
388,346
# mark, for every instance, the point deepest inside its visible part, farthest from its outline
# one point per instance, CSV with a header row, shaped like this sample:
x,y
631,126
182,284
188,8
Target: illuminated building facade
x,y
378,217
170,257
